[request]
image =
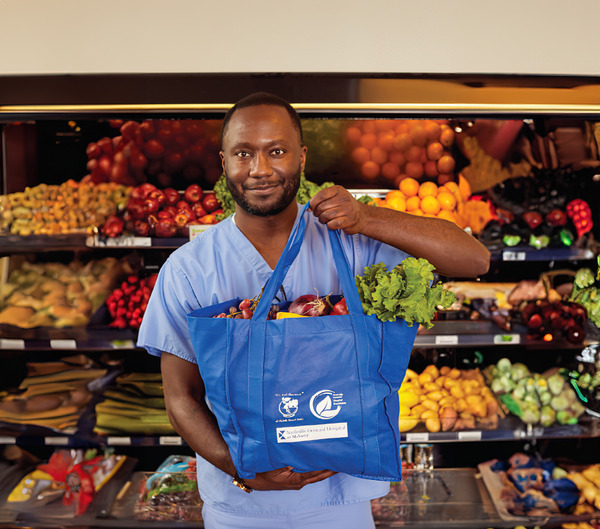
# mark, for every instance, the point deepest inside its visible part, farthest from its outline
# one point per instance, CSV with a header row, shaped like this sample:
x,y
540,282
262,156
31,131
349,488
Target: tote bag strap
x,y
364,356
257,338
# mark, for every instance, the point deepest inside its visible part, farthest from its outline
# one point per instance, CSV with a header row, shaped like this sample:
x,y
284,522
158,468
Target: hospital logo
x,y
288,407
326,404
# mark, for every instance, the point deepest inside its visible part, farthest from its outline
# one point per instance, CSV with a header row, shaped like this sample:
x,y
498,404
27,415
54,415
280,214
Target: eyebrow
x,y
272,143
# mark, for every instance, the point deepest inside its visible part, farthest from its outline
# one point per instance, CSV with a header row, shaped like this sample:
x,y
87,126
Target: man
x,y
262,157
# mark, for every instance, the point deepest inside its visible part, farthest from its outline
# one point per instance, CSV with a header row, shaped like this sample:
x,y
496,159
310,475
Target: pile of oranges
x,y
392,150
427,198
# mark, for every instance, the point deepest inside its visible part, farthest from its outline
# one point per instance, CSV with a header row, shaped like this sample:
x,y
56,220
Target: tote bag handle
x,y
257,336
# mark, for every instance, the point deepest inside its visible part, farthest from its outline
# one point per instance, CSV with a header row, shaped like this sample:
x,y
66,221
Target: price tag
x,y
52,441
197,229
507,338
446,339
63,344
121,242
170,440
120,344
121,441
7,440
421,437
10,343
469,436
513,256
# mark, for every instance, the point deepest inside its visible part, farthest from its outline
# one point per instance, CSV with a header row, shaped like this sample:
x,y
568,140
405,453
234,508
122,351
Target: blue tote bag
x,y
311,393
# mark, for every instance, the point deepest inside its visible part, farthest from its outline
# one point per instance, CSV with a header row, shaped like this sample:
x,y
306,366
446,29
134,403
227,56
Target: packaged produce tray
x,y
160,497
541,515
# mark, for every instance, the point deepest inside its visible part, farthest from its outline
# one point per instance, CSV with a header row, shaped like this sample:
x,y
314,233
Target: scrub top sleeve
x,y
164,326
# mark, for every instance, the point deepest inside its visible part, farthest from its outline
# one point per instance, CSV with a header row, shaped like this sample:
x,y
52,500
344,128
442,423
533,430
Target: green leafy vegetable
x,y
586,292
403,292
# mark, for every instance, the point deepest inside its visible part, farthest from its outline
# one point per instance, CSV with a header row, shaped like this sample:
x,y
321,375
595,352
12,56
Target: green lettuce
x,y
405,292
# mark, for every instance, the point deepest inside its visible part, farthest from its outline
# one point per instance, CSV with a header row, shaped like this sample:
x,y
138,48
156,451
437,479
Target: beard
x,y
290,190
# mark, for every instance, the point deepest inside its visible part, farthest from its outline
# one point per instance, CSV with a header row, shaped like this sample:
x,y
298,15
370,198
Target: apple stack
x,y
153,212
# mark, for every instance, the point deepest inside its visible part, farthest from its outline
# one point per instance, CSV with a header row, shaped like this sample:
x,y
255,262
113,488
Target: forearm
x,y
189,414
452,251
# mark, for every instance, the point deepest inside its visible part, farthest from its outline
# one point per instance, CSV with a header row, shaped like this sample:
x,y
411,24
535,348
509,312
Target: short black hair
x,y
262,98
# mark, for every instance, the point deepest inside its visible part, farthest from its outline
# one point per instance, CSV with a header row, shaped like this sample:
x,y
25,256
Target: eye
x,y
277,152
242,154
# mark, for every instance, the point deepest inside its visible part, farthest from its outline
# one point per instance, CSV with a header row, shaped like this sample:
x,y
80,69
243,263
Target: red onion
x,y
310,305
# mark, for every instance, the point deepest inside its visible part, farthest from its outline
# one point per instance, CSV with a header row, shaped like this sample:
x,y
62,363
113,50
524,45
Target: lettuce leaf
x,y
405,292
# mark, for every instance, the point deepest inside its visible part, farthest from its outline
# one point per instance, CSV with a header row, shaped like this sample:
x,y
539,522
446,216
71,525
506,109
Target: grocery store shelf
x,y
72,338
13,244
528,253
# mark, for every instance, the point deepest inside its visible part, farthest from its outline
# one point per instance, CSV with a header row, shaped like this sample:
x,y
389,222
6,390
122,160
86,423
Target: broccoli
x,y
530,413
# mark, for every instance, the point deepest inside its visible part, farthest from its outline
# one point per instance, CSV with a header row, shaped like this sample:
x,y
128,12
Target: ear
x,y
222,156
303,157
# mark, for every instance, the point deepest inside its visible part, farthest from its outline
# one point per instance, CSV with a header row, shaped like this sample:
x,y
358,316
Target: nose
x,y
260,166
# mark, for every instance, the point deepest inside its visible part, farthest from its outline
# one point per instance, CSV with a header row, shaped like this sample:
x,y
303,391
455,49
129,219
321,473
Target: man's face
x,y
262,158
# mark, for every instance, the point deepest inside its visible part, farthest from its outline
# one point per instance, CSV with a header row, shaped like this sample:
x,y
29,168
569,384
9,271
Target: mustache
x,y
262,185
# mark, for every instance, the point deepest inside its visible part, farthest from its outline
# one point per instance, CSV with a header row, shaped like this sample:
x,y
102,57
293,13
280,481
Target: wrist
x,y
241,484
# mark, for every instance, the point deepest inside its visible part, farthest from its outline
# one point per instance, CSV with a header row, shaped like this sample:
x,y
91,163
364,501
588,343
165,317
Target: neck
x,y
267,234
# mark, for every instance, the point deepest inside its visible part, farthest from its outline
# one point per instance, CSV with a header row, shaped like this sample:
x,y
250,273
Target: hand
x,y
286,479
337,208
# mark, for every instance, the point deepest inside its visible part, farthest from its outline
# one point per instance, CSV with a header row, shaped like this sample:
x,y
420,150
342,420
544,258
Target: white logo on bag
x,y
326,404
288,406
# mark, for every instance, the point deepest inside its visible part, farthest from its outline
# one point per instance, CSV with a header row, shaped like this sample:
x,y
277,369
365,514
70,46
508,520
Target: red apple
x,y
193,194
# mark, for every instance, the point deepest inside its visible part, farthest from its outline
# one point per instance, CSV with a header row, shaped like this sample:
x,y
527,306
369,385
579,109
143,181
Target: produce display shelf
x,y
510,428
72,338
451,333
528,253
13,244
130,242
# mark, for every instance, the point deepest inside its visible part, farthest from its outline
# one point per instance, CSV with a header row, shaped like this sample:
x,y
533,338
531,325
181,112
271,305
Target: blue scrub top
x,y
221,264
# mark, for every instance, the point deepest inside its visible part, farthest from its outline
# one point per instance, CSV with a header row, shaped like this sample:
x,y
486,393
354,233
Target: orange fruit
x,y
446,215
409,186
390,171
353,134
444,178
430,204
370,170
397,203
401,127
416,212
418,135
414,153
360,155
385,124
413,203
446,164
378,155
432,130
430,168
414,169
385,141
368,140
452,187
395,193
398,158
402,142
446,200
368,126
428,189
435,151
446,136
